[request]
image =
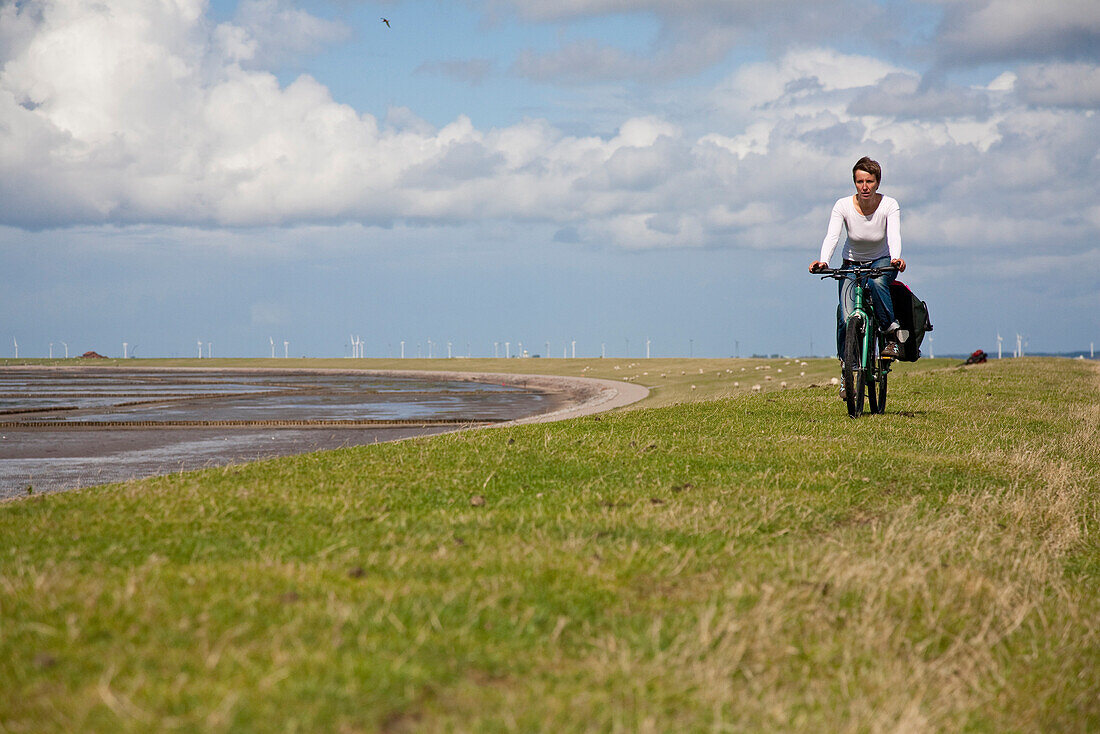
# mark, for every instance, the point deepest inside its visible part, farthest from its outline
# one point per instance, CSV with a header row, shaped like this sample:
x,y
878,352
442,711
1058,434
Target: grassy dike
x,y
754,562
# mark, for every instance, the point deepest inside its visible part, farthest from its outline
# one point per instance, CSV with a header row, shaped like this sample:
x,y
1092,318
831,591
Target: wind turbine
x,y
200,348
647,347
999,340
209,350
286,349
402,349
507,350
125,350
272,340
51,349
574,344
66,350
448,350
1019,346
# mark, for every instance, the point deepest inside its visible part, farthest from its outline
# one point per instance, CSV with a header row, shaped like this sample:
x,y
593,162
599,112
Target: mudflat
x,y
69,427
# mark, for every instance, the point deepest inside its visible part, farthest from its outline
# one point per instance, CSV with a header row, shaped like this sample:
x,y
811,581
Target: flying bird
x,y
386,22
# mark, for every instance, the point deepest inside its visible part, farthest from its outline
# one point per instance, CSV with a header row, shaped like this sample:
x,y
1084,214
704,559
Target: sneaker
x,y
891,350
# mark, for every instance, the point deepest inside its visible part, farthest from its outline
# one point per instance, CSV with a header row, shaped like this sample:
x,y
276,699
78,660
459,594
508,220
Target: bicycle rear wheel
x,y
854,373
883,372
876,383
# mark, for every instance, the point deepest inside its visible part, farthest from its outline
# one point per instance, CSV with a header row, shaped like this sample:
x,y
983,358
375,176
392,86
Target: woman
x,y
873,223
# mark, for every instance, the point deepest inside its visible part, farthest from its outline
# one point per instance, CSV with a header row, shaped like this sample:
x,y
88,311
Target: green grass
x,y
755,562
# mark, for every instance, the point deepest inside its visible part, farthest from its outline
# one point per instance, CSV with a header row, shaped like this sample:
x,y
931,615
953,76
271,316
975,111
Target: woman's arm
x,y
893,233
832,235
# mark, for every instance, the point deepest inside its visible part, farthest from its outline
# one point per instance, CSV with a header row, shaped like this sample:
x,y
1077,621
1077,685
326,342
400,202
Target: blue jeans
x,y
880,300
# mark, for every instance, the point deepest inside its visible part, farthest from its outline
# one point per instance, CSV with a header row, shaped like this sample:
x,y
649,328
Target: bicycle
x,y
864,369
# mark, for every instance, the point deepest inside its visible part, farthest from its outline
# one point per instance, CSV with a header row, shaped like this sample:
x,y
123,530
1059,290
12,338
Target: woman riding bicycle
x,y
873,223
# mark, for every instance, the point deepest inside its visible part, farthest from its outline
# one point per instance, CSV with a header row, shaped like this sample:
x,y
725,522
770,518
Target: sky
x,y
564,176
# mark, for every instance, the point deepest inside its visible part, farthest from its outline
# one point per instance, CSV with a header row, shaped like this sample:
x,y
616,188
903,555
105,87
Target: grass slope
x,y
755,562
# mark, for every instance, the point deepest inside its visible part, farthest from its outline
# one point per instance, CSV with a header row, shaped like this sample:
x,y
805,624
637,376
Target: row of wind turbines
x,y
15,341
1021,342
358,347
569,350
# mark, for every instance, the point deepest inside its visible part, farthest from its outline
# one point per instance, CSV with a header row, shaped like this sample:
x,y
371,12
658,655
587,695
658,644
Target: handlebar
x,y
858,270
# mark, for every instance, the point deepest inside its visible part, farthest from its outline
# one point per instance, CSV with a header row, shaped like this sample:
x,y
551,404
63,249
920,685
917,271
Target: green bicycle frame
x,y
863,308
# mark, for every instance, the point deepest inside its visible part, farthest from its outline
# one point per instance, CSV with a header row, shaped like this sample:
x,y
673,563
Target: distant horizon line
x,y
1071,354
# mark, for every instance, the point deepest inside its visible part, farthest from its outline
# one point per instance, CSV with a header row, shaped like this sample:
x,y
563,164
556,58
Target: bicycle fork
x,y
867,319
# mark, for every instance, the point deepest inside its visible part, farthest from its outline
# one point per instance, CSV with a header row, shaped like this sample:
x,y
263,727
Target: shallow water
x,y
78,454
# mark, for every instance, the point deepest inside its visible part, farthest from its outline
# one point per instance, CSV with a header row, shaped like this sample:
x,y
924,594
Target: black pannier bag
x,y
912,313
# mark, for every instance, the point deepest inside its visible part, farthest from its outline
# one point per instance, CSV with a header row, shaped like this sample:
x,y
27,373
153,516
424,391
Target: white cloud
x,y
266,33
133,123
141,112
682,47
803,82
586,60
691,35
1075,86
903,96
998,30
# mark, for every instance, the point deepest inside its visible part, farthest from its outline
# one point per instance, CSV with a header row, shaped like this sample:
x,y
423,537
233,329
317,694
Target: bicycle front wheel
x,y
855,375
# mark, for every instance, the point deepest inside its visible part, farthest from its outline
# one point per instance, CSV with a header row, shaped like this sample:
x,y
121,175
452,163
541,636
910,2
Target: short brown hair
x,y
867,165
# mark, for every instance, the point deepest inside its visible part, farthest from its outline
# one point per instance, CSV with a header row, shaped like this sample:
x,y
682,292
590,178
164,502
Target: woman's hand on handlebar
x,y
817,265
898,263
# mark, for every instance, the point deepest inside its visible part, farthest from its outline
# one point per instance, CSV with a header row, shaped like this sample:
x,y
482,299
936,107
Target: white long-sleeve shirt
x,y
869,237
